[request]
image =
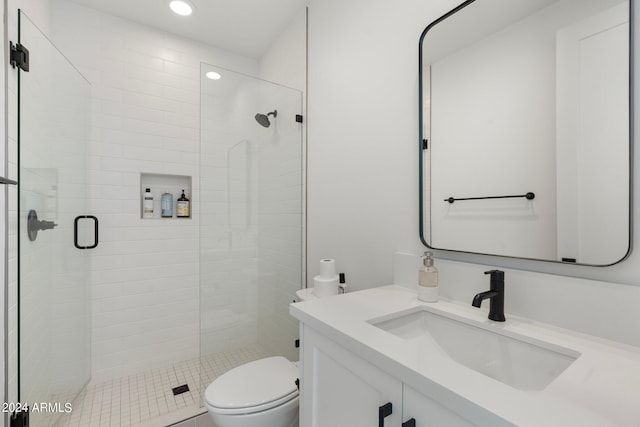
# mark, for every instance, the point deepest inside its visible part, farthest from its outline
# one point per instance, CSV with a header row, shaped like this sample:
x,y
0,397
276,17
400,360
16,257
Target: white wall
x,y
363,174
145,85
362,179
285,62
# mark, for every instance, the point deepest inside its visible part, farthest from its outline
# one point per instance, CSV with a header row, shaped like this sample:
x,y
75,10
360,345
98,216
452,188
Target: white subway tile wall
x,y
146,119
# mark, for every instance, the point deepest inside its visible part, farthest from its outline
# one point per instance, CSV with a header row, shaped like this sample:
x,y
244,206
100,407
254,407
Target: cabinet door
x,y
339,389
428,413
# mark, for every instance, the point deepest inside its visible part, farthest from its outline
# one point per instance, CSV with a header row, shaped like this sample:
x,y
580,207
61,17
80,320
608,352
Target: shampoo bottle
x,y
147,204
166,203
182,206
428,279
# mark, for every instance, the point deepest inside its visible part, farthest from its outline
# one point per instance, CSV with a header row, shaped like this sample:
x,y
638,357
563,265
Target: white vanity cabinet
x,y
428,413
364,349
340,389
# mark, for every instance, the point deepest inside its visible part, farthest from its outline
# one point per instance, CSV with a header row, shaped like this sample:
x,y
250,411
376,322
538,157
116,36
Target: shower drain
x,y
180,389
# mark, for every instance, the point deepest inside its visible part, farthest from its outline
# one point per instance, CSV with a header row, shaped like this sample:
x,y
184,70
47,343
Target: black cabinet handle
x,y
383,412
75,231
409,423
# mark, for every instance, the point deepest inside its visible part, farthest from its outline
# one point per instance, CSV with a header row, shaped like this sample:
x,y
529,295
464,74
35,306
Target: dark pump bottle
x,y
182,206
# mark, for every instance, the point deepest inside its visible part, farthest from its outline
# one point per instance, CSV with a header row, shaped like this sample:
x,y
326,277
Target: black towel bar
x,y
528,196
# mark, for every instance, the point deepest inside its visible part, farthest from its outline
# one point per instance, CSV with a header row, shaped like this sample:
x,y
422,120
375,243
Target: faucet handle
x,y
495,274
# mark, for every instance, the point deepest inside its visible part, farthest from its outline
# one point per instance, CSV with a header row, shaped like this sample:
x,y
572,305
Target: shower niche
x,y
164,183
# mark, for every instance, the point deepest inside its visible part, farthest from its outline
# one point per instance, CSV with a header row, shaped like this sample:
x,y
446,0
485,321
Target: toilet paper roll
x,y
323,287
327,268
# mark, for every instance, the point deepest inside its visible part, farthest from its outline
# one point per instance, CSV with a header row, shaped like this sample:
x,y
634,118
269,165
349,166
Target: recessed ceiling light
x,y
181,7
213,75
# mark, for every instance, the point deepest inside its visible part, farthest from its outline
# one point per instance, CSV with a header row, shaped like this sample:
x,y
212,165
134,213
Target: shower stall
x,y
246,200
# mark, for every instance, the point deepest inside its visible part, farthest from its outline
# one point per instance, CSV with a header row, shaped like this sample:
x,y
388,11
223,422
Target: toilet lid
x,y
255,386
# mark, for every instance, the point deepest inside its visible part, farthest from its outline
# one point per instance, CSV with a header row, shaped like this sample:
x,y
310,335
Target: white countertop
x,y
601,388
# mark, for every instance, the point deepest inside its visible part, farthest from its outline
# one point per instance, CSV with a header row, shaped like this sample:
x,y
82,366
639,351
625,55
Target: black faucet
x,y
495,294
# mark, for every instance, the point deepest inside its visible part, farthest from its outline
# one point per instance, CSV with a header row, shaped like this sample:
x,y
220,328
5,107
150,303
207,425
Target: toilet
x,y
260,393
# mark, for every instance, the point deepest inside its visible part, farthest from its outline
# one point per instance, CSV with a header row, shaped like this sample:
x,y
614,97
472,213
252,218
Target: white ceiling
x,y
247,27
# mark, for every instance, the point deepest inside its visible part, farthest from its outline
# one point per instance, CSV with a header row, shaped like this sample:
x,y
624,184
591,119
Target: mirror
x,y
525,130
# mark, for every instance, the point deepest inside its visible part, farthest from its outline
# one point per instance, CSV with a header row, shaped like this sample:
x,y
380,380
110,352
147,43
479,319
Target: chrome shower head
x,y
263,119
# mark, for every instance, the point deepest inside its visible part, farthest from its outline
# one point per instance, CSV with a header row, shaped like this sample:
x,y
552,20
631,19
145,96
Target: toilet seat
x,y
254,387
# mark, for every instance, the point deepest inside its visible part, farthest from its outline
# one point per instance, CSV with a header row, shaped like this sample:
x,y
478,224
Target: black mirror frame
x,y
422,144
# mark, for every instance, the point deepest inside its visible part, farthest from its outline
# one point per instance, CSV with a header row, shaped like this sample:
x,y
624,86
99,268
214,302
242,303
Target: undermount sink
x,y
518,361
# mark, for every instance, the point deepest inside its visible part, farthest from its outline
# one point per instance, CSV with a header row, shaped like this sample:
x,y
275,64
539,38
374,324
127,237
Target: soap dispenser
x,y
182,206
428,279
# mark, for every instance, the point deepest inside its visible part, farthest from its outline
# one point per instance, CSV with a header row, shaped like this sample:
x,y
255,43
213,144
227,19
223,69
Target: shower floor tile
x,y
146,399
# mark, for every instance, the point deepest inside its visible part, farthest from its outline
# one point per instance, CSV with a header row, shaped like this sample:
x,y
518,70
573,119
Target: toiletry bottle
x,y
428,279
147,204
167,205
182,206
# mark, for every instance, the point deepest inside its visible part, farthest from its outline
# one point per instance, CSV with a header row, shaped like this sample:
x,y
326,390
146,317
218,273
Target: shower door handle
x,y
75,231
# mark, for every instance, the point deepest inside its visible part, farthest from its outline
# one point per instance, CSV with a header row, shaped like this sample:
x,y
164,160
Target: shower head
x,y
263,119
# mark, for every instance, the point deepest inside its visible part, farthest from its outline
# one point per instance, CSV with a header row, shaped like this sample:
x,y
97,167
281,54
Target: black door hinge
x,y
19,56
298,118
425,144
297,343
20,418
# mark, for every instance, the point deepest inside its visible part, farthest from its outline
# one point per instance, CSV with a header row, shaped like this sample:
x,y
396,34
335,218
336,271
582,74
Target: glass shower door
x,y
250,219
54,277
